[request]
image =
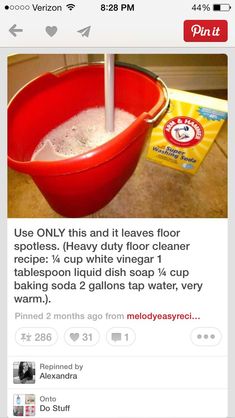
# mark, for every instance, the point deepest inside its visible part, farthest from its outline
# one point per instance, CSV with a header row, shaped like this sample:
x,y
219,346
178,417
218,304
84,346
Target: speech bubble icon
x,y
116,336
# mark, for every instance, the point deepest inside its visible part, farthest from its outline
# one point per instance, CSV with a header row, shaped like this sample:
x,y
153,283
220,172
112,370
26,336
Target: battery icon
x,y
222,7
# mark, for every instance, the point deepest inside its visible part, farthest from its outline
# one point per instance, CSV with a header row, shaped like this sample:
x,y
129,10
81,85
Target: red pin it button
x,y
205,30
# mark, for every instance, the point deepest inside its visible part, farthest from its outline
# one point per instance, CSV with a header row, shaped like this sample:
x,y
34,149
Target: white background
x,y
163,357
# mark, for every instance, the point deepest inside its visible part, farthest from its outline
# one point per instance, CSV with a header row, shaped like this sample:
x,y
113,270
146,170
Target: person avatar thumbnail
x,y
23,372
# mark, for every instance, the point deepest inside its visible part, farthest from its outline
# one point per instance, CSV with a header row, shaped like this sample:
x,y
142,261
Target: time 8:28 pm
x,y
117,7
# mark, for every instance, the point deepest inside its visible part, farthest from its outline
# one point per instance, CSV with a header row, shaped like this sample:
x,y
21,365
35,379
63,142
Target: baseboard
x,y
193,77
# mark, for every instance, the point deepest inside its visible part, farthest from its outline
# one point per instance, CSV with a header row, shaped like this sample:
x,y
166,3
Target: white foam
x,y
81,133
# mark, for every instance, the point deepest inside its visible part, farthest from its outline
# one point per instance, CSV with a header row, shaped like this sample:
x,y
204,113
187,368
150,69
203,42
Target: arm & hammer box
x,y
187,131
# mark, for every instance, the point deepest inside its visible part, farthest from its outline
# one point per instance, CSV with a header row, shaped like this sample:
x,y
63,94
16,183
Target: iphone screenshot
x,y
117,208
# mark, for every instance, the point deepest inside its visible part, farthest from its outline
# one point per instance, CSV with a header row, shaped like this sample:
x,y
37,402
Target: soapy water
x,y
81,133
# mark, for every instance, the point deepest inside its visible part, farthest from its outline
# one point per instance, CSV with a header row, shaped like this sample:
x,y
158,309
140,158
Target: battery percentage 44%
x,y
201,7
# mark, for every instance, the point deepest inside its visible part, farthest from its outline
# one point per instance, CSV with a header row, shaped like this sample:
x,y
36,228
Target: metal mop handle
x,y
109,92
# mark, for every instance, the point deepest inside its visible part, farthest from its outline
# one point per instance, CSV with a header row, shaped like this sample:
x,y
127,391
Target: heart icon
x,y
74,336
51,30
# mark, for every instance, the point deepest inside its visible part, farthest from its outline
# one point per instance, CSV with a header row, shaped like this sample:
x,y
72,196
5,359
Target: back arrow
x,y
13,30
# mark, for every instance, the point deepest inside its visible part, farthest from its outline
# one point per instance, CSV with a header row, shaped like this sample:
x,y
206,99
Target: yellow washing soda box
x,y
187,131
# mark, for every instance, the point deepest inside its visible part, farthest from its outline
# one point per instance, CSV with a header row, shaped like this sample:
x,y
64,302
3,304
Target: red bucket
x,y
81,185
